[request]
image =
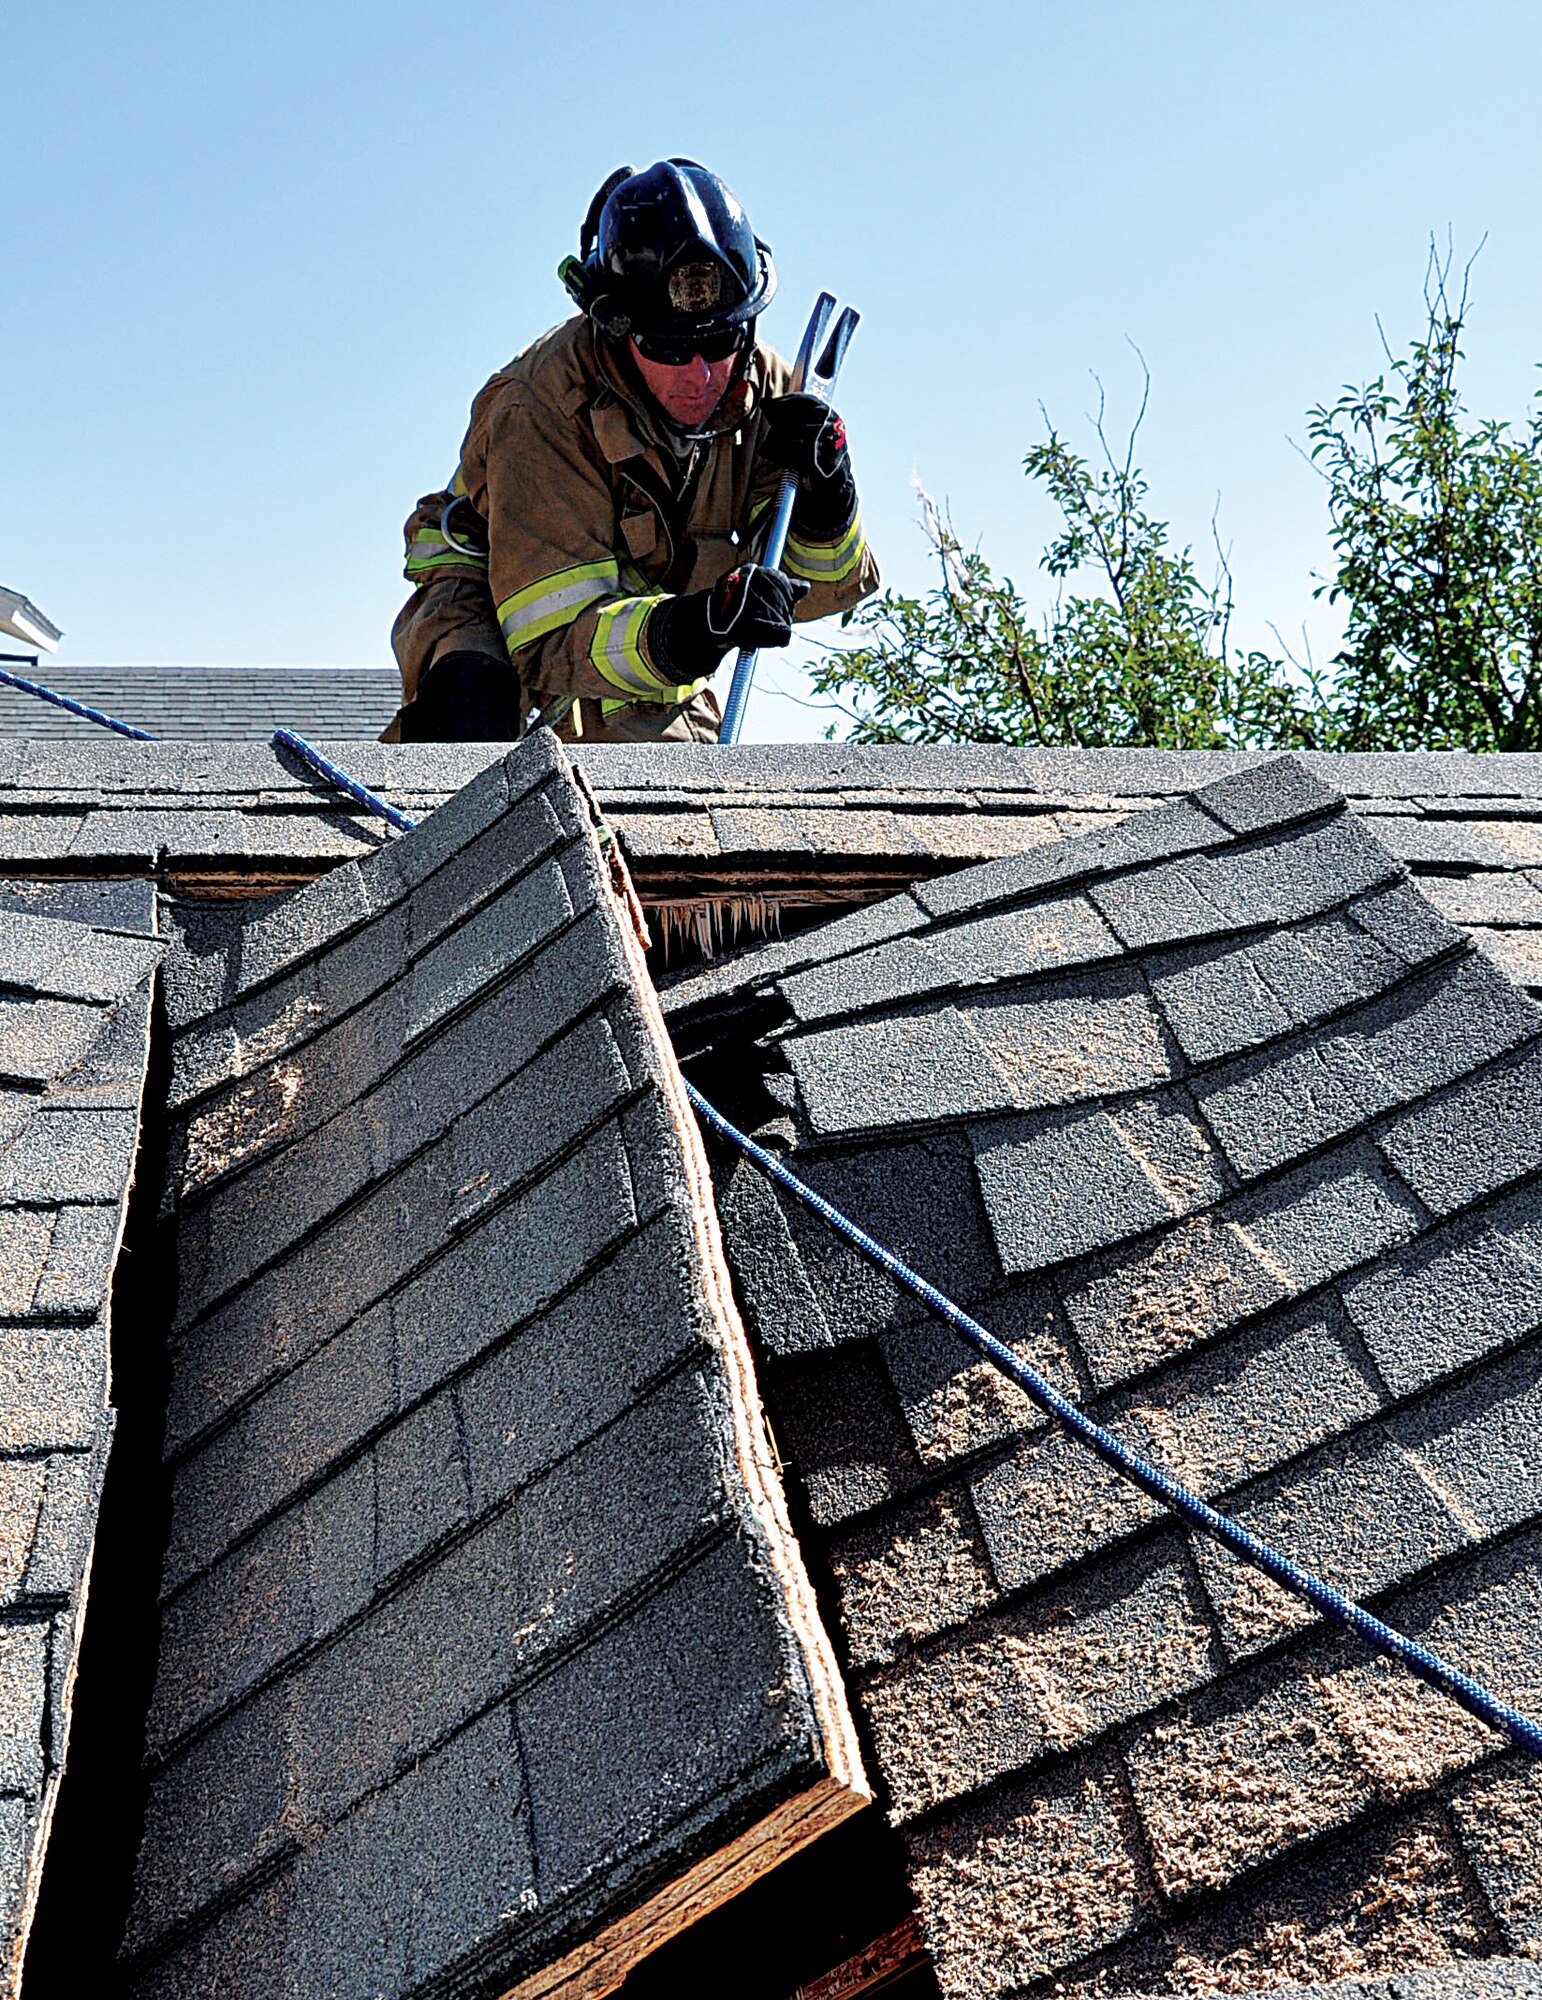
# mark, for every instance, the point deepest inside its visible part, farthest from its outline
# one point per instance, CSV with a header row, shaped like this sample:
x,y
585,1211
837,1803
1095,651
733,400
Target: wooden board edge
x,y
877,1965
599,1965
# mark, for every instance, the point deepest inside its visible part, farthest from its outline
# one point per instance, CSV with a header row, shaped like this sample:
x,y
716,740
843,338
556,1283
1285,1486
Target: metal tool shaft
x,y
815,371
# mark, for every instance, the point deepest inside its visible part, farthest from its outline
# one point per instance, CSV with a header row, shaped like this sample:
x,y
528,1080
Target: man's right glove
x,y
751,606
805,436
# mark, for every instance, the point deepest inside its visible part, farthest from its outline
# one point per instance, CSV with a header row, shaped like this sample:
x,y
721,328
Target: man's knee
x,y
464,698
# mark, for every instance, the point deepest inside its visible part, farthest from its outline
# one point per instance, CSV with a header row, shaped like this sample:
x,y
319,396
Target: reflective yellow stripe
x,y
826,562
554,601
429,550
616,650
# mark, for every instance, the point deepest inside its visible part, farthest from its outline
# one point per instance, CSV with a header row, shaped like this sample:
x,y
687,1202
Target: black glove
x,y
464,698
751,606
805,436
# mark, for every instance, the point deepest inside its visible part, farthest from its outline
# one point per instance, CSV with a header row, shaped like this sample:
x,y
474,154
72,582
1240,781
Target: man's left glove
x,y
805,436
464,698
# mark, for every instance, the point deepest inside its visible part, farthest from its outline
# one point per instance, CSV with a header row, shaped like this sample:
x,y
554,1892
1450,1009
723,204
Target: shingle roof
x,y
205,704
1217,1120
796,829
74,1035
486,1647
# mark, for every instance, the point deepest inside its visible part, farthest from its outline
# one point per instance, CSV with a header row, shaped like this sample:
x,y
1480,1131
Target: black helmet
x,y
669,251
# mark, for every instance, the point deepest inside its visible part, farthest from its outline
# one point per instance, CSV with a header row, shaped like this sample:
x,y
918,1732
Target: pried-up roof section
x,y
487,1656
1228,1131
74,1037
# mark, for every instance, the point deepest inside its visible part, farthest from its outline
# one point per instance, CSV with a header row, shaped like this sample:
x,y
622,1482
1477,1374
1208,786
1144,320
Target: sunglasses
x,y
673,350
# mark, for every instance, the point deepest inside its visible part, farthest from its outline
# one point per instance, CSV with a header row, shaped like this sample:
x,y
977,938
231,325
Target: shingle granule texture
x,y
483,1631
1232,1134
75,1001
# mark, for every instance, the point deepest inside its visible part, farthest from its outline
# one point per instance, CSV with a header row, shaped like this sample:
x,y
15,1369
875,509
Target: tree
x,y
1436,522
1437,526
1140,657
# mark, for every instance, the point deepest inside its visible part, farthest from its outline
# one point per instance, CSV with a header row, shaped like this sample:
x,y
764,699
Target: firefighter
x,y
592,562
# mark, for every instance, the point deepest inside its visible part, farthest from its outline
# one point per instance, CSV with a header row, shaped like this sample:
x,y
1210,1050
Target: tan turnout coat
x,y
589,522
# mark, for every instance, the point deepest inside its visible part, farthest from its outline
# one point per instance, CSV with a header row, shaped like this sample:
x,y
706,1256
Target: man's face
x,y
689,393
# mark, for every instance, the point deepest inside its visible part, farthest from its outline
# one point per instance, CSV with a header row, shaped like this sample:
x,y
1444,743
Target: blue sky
x,y
258,260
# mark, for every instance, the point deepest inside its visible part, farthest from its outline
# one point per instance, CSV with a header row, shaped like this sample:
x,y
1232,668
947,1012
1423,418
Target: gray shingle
x,y
1051,1503
286,1587
1393,1895
39,1038
68,962
670,1706
1276,1106
1240,1776
1485,899
288,1309
1143,837
1060,1185
1216,1000
1028,1879
1499,1818
56,1556
53,1382
954,1401
421,1485
1043,937
500,1602
1047,1677
873,923
913,1572
1213,1420
1269,795
114,905
487,944
428,1872
1456,1294
843,1437
308,1420
1449,843
1357,1513
1479,1443
70,1156
919,1199
23,1688
1474,1138
545,1391
1276,879
213,1816
1076,1037
22,1484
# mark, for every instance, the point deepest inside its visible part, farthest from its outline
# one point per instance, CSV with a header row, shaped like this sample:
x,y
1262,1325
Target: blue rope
x,y
1301,1583
336,775
80,708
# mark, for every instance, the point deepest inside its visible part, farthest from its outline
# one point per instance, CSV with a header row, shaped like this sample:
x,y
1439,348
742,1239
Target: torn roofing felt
x,y
487,1656
74,1040
1232,1135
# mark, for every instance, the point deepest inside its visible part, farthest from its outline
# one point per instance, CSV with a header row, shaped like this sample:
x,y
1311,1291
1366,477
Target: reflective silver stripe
x,y
554,601
428,549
